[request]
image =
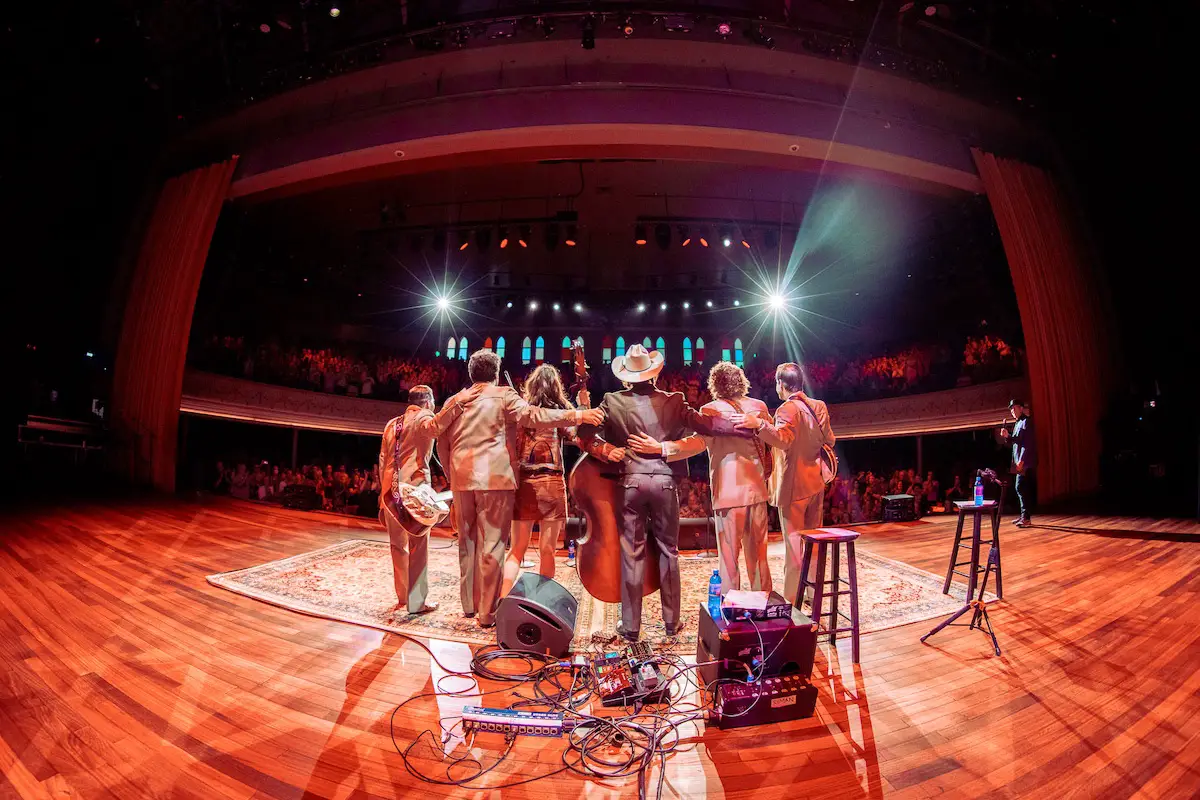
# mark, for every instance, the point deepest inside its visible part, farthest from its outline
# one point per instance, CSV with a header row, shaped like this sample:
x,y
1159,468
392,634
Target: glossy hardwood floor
x,y
124,674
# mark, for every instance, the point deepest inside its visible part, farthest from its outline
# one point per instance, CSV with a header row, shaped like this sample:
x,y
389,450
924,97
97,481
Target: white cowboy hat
x,y
637,365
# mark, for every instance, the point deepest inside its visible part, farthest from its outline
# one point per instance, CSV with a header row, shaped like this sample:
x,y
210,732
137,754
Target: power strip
x,y
477,719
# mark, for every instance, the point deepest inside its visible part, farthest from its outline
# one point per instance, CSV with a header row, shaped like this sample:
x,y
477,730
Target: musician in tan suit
x,y
481,450
404,458
798,432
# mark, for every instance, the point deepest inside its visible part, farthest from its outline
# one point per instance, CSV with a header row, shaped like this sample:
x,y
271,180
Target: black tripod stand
x,y
975,604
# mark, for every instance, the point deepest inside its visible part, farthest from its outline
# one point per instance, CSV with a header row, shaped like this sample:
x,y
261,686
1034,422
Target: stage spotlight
x,y
737,302
777,302
662,235
483,238
726,237
724,28
684,237
533,305
703,242
662,306
443,304
509,304
524,234
556,307
686,305
572,236
464,240
579,306
503,238
641,307
588,36
627,27
551,236
708,303
334,11
639,234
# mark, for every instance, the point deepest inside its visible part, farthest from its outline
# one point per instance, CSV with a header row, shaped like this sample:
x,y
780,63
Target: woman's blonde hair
x,y
726,381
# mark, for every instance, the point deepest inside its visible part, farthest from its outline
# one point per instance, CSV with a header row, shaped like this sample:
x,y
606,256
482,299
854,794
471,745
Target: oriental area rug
x,y
352,582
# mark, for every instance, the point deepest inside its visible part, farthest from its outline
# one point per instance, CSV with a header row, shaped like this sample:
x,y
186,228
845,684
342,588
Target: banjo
x,y
416,507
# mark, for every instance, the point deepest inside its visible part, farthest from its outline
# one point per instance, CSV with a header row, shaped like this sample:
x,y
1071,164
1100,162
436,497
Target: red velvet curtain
x,y
148,381
1061,302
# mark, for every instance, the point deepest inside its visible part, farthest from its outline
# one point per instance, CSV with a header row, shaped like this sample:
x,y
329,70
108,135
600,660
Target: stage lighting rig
x,y
533,305
627,27
556,307
724,28
639,235
334,11
685,238
524,234
641,307
503,237
777,302
572,236
708,303
726,237
443,304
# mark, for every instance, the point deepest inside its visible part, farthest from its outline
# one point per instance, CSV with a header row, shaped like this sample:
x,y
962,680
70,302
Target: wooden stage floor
x,y
126,675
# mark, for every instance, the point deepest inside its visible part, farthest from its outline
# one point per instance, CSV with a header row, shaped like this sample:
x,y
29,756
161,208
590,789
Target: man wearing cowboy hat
x,y
648,481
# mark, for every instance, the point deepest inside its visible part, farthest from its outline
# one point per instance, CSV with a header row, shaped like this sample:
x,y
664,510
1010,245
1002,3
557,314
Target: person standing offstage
x,y
801,428
541,490
404,458
737,468
1024,460
481,455
650,491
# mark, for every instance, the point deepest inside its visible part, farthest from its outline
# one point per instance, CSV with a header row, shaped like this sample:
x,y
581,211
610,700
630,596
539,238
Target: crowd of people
x,y
387,377
860,498
346,491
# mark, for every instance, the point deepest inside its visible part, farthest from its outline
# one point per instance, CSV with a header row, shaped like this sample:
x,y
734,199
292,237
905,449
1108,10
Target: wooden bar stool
x,y
990,509
824,539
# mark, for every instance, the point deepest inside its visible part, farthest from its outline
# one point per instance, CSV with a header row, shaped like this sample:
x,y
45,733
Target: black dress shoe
x,y
626,635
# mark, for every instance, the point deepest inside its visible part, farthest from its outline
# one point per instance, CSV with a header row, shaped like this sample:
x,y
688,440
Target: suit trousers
x,y
800,516
738,529
410,562
651,508
485,526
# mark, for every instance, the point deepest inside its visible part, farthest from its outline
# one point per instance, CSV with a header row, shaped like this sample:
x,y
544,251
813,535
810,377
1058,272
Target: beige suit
x,y
409,463
739,497
479,451
797,488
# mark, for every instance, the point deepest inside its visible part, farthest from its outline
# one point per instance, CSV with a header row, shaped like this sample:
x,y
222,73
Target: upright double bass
x,y
598,497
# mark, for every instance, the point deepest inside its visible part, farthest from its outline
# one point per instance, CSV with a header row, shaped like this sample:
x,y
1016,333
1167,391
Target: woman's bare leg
x,y
521,531
547,544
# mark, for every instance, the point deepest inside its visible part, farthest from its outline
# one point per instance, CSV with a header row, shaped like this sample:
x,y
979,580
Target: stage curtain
x,y
1062,304
152,349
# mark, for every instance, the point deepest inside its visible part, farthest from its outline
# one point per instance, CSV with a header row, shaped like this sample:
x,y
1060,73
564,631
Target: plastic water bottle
x,y
570,552
978,490
714,595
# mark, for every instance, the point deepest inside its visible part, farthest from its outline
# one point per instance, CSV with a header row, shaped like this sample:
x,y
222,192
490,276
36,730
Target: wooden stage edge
x,y
126,675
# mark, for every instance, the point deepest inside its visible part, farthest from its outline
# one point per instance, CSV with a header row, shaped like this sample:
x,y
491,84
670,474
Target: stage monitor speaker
x,y
538,615
737,647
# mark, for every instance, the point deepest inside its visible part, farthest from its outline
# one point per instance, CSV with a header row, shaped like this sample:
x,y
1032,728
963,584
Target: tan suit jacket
x,y
734,471
419,428
798,439
479,447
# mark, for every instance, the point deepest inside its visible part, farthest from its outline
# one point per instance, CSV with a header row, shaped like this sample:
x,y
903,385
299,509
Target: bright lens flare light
x,y
443,304
777,302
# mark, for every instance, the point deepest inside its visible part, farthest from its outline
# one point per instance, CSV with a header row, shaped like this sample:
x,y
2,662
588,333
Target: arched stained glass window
x,y
462,349
646,343
566,349
606,350
451,347
487,343
737,352
500,347
620,346
539,350
660,345
700,350
687,351
526,351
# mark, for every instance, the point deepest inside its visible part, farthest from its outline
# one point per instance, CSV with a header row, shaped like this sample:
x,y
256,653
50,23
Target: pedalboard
x,y
770,700
629,677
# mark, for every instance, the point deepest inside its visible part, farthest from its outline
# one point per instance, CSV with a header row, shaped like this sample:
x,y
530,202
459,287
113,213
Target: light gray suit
x,y
797,488
739,496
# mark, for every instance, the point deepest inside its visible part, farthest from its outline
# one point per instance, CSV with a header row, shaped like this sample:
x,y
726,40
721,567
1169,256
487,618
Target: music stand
x,y
979,616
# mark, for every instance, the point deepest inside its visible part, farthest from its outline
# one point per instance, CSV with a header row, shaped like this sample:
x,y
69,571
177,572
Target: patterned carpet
x,y
352,582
